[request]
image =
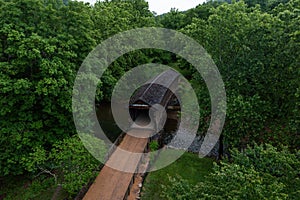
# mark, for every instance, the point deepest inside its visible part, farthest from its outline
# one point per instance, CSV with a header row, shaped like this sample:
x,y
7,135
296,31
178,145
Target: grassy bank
x,y
189,166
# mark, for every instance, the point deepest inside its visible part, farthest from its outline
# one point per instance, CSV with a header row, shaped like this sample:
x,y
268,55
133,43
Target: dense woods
x,y
255,45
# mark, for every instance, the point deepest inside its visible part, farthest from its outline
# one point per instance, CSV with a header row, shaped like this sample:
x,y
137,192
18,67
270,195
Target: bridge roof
x,y
157,90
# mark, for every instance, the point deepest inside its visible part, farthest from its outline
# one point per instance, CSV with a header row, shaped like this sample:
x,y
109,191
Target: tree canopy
x,y
255,45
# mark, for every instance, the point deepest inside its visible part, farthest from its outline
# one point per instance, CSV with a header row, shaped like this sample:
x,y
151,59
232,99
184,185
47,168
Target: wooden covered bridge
x,y
112,184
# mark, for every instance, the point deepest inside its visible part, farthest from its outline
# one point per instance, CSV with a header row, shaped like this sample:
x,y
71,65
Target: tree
x,y
112,17
69,162
42,44
253,51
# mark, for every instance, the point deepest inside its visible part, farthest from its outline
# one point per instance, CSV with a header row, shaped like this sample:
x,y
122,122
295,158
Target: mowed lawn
x,y
189,166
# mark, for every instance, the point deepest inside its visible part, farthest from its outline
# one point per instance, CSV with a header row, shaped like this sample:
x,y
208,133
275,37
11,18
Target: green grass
x,y
189,166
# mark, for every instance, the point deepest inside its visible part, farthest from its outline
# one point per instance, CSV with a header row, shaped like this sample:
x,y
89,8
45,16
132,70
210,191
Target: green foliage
x,y
37,158
68,165
77,165
245,120
153,145
256,54
255,45
265,5
256,173
42,45
177,20
189,167
279,163
229,182
112,17
181,189
173,20
23,187
268,159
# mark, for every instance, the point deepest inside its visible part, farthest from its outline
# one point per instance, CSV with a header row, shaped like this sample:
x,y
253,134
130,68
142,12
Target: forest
x,y
254,43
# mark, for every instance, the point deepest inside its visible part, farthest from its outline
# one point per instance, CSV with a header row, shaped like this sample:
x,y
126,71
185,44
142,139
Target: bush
x,y
261,172
76,164
153,145
71,165
230,181
269,159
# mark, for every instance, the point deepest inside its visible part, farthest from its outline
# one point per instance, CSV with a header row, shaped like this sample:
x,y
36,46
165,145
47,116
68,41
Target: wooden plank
x,y
111,183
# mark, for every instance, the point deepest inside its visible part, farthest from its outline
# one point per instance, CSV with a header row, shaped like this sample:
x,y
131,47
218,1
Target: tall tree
x,y
42,44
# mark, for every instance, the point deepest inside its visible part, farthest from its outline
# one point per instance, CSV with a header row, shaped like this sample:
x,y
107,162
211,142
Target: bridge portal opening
x,y
140,114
